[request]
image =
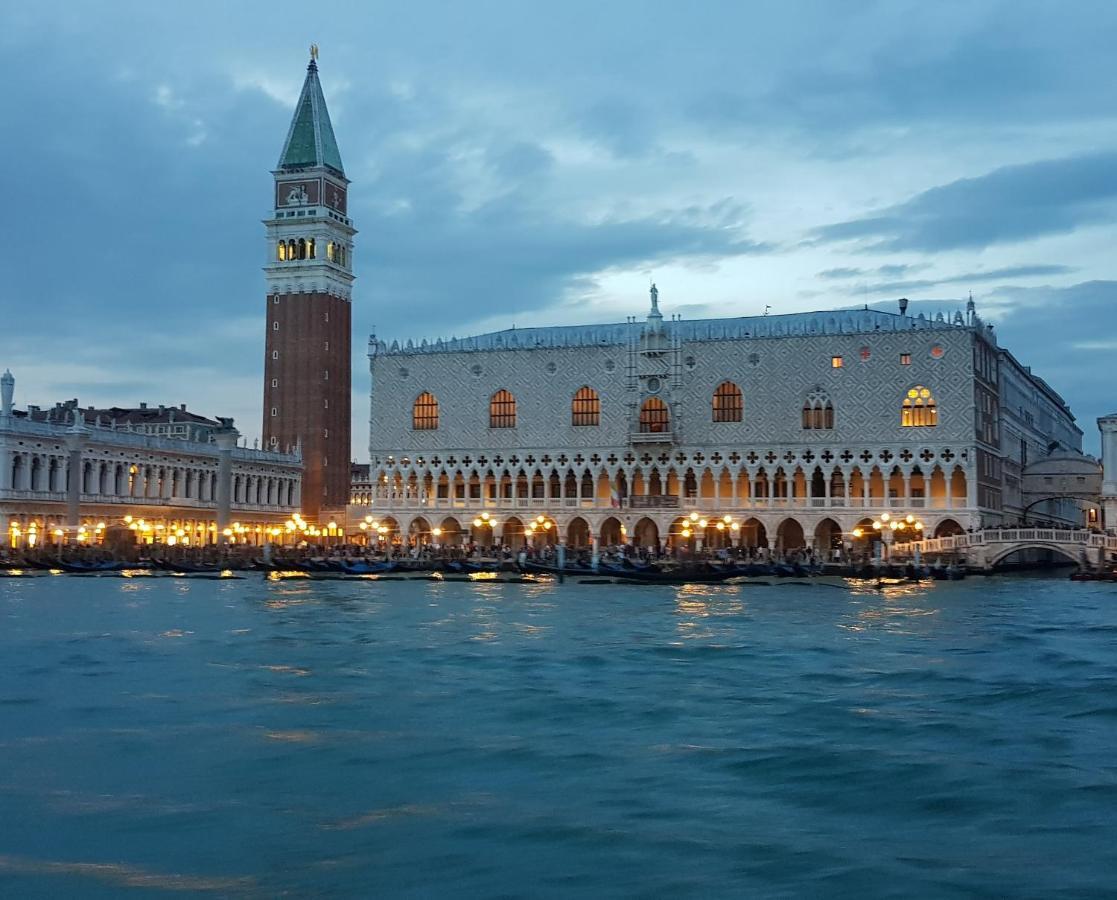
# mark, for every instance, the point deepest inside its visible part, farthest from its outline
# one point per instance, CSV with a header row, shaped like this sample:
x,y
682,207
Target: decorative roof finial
x,y
314,52
655,298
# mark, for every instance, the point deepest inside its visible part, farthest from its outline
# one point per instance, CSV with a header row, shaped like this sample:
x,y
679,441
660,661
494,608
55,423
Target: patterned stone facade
x,y
815,433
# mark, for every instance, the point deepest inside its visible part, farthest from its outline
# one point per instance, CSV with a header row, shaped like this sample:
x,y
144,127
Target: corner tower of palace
x,y
801,428
309,274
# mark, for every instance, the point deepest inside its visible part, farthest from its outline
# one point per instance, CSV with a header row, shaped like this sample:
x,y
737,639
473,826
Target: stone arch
x,y
578,533
827,537
419,531
789,535
753,533
452,533
675,536
610,533
512,532
1075,556
646,533
948,528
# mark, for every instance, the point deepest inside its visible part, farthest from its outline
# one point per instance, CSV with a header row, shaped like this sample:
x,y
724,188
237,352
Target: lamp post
x,y
890,528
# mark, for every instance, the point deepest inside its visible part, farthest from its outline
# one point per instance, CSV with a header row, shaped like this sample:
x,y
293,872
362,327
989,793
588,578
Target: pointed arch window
x,y
654,417
424,412
818,411
502,410
585,409
728,403
919,409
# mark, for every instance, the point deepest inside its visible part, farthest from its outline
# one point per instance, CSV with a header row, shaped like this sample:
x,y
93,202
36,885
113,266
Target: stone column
x,y
1108,427
226,441
76,439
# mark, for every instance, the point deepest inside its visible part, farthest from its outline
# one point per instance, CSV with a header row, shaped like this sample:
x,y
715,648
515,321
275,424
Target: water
x,y
258,739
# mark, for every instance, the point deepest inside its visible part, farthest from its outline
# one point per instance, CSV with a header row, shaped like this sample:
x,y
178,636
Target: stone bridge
x,y
987,548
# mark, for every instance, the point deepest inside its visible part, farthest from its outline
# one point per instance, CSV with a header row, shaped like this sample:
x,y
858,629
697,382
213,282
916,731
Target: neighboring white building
x,y
170,481
800,428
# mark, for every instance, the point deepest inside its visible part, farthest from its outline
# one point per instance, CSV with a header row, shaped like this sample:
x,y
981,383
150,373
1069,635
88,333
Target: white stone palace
x,y
68,474
788,430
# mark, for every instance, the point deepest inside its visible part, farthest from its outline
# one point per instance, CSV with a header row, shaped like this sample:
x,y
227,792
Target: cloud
x,y
1007,272
890,271
1010,204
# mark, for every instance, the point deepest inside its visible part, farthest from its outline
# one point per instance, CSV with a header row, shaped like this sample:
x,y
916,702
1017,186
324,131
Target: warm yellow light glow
x,y
686,532
331,525
910,518
550,525
736,526
383,529
857,532
876,525
721,526
492,523
58,532
228,532
364,526
180,532
918,526
485,516
884,517
476,523
540,519
100,526
128,519
694,517
727,518
702,523
437,532
368,518
893,525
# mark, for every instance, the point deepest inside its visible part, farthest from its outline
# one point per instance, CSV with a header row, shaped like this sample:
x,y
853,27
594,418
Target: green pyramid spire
x,y
311,142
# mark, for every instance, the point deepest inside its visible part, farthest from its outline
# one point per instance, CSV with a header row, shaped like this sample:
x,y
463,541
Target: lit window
x,y
919,408
865,354
310,248
937,351
424,412
281,251
654,417
330,251
502,410
835,362
728,403
586,407
905,359
302,248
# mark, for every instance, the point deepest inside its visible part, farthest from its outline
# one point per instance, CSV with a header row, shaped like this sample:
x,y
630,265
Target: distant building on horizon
x,y
309,275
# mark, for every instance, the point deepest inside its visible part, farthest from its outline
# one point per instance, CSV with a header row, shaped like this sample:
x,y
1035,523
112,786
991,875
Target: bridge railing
x,y
1000,536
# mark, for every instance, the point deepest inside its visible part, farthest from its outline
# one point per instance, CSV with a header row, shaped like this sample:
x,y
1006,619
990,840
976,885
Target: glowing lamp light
x,y
383,529
694,517
368,518
540,519
877,524
437,532
918,526
884,517
476,523
228,532
893,525
686,532
364,526
128,519
910,518
727,518
331,525
721,526
702,523
58,532
736,526
857,532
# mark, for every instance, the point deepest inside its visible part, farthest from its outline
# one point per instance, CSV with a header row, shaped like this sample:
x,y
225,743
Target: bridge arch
x,y
1073,554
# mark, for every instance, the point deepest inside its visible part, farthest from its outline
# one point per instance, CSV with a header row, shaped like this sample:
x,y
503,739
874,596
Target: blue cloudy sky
x,y
528,163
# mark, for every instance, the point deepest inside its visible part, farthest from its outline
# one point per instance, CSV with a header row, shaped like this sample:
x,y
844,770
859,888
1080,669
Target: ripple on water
x,y
945,740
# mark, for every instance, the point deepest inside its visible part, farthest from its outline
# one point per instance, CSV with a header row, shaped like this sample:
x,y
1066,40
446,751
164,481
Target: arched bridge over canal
x,y
987,548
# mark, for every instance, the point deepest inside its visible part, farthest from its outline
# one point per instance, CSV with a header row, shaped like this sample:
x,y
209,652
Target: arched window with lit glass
x,y
919,409
424,412
728,403
281,251
654,417
502,410
585,409
818,411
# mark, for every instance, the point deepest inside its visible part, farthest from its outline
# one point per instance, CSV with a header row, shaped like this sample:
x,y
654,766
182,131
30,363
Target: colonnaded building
x,y
72,474
782,431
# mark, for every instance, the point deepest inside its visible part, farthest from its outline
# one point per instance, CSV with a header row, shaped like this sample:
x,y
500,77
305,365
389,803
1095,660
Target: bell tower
x,y
309,274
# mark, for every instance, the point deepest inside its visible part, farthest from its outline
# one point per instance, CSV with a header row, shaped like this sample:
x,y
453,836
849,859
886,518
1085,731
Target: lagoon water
x,y
342,739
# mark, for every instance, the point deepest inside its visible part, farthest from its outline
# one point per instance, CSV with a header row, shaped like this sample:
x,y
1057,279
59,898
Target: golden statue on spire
x,y
314,51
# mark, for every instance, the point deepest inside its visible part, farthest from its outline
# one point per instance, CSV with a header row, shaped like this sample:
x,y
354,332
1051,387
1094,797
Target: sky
x,y
525,164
